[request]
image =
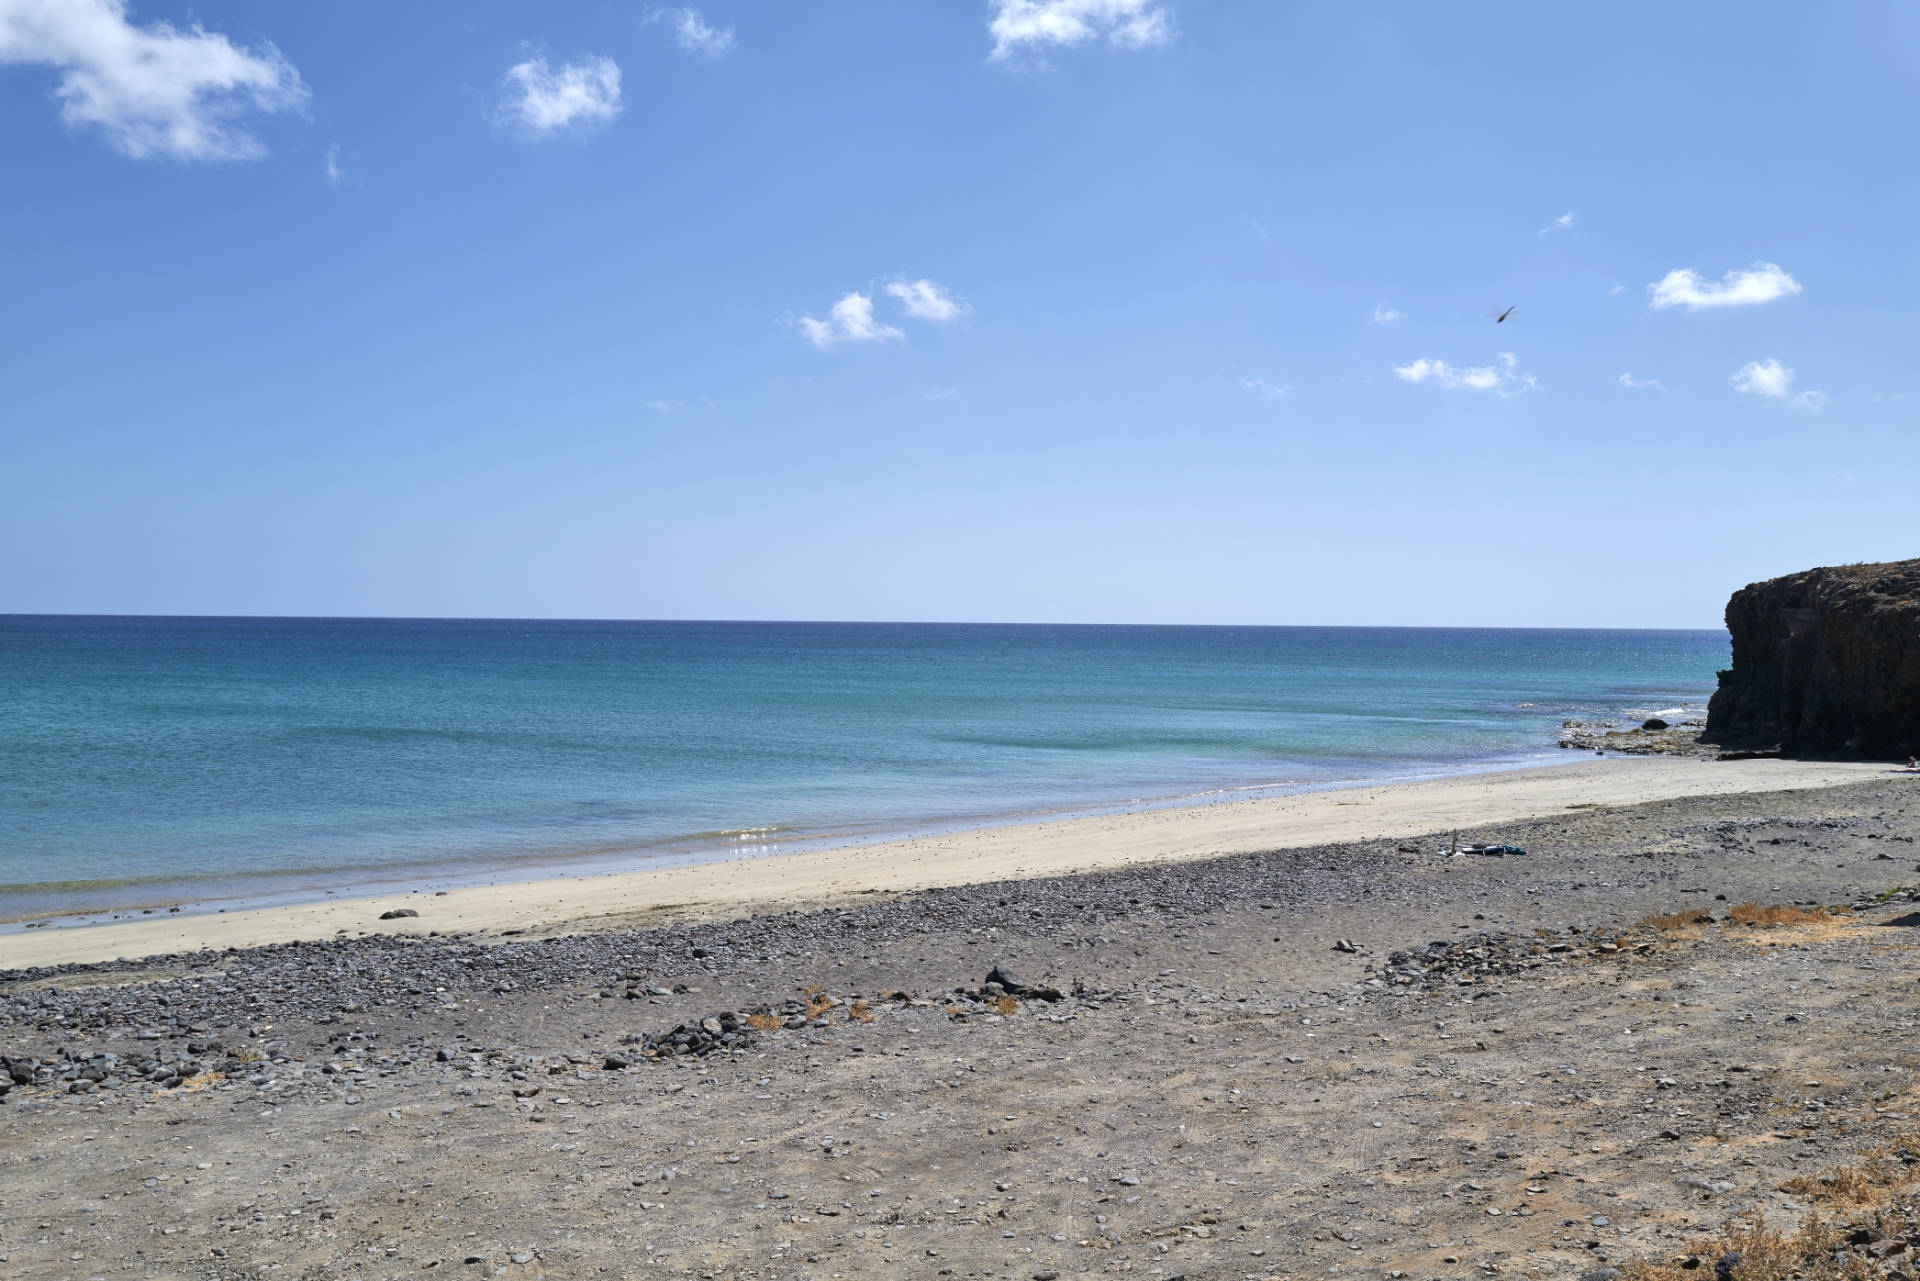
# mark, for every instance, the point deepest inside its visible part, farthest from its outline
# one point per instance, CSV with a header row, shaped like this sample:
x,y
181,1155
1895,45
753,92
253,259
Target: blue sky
x,y
1167,311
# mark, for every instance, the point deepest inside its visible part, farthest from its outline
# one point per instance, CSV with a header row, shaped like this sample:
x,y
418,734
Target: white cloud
x,y
154,90
926,300
1563,223
1616,291
693,33
1385,315
1683,287
1763,378
1269,390
1811,399
942,393
664,406
849,320
1019,25
1629,381
335,174
1504,378
579,96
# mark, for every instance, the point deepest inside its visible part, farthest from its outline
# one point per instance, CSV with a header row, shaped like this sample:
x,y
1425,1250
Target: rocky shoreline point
x,y
1826,663
1652,737
1369,1059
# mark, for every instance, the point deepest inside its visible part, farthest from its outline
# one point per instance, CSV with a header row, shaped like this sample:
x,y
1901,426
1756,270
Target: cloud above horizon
x,y
1019,26
1268,390
693,33
1684,287
849,320
1773,380
1629,381
1504,378
927,300
1563,223
1385,315
1763,378
543,102
153,90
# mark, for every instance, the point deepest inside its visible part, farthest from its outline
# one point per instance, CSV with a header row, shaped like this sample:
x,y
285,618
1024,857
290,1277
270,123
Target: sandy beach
x,y
1337,1051
743,886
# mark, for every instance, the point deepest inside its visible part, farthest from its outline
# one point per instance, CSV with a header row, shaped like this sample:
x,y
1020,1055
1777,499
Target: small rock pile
x,y
74,1072
724,1032
1483,956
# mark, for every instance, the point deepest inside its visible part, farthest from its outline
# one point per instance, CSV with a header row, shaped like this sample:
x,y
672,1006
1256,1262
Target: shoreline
x,y
246,891
745,886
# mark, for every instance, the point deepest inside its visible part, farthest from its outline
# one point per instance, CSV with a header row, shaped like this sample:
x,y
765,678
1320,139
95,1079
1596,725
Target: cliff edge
x,y
1825,663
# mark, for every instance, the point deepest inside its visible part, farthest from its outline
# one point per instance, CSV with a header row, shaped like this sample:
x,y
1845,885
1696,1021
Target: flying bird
x,y
1502,317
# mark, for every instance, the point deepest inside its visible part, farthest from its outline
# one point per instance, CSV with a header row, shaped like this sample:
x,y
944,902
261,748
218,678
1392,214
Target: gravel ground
x,y
1368,1060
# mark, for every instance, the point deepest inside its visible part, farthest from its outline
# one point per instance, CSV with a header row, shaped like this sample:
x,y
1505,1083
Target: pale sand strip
x,y
779,882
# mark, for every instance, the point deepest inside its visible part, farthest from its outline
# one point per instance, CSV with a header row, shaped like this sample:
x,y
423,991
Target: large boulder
x,y
1825,663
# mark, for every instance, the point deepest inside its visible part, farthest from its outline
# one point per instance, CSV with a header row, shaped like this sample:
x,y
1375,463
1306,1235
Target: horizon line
x,y
839,622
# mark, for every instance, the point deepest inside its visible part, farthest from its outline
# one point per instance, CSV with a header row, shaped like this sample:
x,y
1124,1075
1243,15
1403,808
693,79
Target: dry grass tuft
x,y
1879,1173
860,1012
764,1022
1818,1250
1006,1005
818,1002
1846,1185
1765,1255
1752,914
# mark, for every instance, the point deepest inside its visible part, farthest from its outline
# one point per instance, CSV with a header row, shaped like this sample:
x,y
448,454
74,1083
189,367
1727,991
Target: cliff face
x,y
1825,663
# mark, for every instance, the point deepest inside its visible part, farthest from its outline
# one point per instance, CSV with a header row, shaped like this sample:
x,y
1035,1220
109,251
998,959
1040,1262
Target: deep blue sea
x,y
148,760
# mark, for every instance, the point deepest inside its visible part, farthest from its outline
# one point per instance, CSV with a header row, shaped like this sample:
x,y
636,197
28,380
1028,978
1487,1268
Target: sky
x,y
1012,310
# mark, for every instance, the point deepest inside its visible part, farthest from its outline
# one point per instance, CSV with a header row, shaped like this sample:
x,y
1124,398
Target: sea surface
x,y
149,760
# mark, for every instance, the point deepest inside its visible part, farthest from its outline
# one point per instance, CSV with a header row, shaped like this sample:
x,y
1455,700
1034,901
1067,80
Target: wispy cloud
x,y
849,320
1258,229
1019,26
664,406
1766,377
1504,378
153,90
1268,390
926,300
1629,381
577,97
1773,380
1616,291
335,174
1385,315
1684,287
942,393
693,33
1563,223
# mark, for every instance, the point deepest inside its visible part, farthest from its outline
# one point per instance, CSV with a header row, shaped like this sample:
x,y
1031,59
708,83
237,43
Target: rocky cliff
x,y
1825,663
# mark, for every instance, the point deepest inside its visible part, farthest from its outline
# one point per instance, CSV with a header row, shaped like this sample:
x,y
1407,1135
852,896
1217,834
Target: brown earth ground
x,y
1220,1092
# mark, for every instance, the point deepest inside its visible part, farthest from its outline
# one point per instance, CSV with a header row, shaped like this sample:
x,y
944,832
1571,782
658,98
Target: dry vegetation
x,y
1748,1250
1819,1250
1753,914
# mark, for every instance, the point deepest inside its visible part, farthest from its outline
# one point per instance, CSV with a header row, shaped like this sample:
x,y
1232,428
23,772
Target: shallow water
x,y
152,759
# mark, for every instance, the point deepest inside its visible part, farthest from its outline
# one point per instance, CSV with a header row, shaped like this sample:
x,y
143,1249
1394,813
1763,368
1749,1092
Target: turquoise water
x,y
148,760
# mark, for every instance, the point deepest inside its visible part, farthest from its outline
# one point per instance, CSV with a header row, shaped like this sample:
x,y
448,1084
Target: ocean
x,y
149,760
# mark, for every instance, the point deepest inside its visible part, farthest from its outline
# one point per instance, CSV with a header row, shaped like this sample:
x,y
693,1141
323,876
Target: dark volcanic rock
x,y
1825,663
